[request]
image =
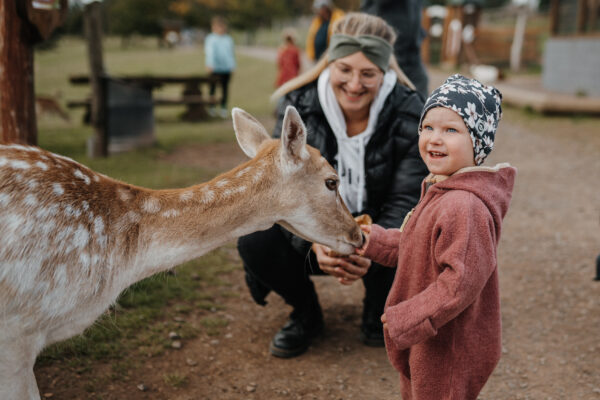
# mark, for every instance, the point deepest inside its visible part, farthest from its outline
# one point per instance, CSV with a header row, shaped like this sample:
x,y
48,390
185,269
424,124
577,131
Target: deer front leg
x,y
17,381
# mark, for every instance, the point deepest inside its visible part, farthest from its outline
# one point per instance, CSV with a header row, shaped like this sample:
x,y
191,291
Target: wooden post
x,y
92,19
17,102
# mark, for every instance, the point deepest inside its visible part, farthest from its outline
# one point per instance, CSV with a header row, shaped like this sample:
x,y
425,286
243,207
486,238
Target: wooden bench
x,y
192,95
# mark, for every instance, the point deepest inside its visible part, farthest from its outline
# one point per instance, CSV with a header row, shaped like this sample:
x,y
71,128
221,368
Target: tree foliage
x,y
146,17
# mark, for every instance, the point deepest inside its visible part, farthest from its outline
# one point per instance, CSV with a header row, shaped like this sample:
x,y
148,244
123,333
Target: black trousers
x,y
224,78
272,263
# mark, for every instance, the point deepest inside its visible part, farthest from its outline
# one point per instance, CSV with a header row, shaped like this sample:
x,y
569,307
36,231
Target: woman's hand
x,y
347,269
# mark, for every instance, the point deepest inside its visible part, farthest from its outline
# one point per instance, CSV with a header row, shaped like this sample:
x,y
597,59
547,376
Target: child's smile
x,y
444,142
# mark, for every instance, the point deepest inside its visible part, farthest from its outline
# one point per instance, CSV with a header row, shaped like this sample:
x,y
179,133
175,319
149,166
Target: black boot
x,y
297,334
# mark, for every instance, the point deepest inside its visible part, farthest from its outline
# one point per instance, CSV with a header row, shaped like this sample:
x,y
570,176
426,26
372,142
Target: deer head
x,y
309,203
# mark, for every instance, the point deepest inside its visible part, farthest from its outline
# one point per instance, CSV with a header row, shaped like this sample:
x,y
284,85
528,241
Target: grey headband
x,y
376,49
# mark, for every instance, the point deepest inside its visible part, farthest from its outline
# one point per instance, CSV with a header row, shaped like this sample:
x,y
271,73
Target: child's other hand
x,y
384,320
366,229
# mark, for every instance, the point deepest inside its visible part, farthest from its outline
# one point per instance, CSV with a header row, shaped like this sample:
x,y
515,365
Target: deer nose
x,y
358,238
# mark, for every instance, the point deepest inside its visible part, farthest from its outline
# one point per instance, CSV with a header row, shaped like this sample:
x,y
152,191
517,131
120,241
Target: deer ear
x,y
293,137
249,132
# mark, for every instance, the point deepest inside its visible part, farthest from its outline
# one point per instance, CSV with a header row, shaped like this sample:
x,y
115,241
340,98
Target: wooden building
x,y
572,53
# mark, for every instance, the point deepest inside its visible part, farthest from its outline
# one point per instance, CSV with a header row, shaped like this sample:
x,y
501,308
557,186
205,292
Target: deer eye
x,y
331,184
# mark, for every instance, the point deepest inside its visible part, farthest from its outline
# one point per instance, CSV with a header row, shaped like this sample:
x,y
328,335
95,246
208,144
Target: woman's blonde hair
x,y
353,24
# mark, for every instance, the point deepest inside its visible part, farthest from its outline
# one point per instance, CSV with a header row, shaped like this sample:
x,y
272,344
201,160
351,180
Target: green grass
x,y
139,323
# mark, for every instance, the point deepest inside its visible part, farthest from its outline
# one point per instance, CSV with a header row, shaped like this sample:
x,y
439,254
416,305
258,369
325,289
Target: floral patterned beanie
x,y
477,104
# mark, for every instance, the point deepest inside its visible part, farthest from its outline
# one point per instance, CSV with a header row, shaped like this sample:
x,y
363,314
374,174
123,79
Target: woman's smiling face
x,y
355,81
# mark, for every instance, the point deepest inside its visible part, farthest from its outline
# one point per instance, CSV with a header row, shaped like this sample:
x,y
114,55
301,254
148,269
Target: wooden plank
x,y
188,100
548,103
151,80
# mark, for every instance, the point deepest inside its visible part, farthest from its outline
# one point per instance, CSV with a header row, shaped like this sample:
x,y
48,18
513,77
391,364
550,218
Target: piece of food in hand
x,y
364,219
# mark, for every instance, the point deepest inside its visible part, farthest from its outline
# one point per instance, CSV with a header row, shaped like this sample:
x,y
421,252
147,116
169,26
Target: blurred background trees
x,y
145,17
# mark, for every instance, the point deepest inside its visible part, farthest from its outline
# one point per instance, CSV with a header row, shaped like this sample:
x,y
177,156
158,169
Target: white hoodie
x,y
351,150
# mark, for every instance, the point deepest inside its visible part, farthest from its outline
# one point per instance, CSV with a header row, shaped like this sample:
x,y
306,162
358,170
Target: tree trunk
x,y
17,99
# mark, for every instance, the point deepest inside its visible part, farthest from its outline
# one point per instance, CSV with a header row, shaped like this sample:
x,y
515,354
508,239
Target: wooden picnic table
x,y
192,95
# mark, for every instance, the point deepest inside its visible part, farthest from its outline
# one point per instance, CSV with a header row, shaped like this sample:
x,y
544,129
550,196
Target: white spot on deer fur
x,y
257,175
41,165
72,212
3,161
208,195
222,183
170,213
124,195
83,176
98,230
96,178
32,184
84,260
243,172
98,225
30,200
18,147
19,164
85,205
186,196
81,237
57,189
45,212
151,205
239,189
101,239
4,199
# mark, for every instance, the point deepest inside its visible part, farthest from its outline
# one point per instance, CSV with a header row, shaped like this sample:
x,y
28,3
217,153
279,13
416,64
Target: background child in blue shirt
x,y
219,60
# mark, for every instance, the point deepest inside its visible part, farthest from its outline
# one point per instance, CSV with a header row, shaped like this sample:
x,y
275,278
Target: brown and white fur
x,y
73,239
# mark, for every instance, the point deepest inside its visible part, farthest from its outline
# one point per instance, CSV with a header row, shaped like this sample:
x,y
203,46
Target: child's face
x,y
218,28
445,143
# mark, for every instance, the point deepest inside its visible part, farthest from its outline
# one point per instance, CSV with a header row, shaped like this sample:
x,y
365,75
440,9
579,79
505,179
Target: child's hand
x,y
384,320
366,229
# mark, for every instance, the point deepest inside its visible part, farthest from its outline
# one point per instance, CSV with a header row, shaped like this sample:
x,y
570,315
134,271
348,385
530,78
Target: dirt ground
x,y
550,302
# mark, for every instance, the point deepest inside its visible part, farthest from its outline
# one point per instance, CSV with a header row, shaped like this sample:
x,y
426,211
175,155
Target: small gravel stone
x,y
142,387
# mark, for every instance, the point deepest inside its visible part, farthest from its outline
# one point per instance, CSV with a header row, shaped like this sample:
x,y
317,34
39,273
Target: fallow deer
x,y
73,239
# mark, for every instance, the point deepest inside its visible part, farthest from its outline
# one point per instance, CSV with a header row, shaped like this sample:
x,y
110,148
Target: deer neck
x,y
174,226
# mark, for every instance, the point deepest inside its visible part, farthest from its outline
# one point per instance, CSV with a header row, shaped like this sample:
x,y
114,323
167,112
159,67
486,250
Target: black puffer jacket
x,y
393,167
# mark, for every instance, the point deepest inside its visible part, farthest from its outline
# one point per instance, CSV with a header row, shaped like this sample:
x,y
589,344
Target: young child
x,y
442,323
288,58
220,61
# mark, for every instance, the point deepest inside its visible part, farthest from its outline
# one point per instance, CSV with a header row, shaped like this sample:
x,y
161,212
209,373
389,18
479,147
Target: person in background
x,y
362,114
405,17
219,61
442,319
288,58
319,32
